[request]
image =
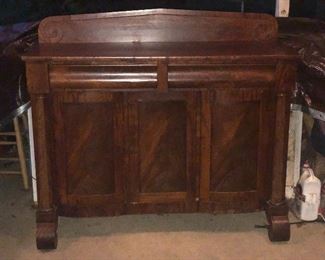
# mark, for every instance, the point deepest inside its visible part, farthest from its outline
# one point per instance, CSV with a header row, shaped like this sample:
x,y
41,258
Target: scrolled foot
x,y
279,226
46,236
46,228
279,229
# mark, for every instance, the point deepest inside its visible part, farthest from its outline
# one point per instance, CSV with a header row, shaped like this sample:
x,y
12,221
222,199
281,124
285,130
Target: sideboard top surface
x,y
214,52
145,35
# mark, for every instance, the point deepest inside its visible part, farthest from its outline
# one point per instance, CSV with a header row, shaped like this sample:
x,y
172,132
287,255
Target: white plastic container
x,y
310,189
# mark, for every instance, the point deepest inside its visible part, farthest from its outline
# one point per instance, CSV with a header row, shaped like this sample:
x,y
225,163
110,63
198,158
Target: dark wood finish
x,y
157,26
236,155
160,111
89,136
178,53
96,77
46,236
278,223
46,228
163,155
38,81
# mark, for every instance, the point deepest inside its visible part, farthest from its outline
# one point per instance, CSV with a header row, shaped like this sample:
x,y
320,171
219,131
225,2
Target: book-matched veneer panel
x,y
89,140
163,149
235,129
162,146
236,150
156,147
87,136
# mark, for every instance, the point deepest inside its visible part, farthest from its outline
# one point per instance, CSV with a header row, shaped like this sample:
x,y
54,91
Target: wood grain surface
x,y
160,111
160,25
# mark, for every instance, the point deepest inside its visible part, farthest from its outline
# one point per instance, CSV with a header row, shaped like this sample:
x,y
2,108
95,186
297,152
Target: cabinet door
x,y
236,150
89,133
163,151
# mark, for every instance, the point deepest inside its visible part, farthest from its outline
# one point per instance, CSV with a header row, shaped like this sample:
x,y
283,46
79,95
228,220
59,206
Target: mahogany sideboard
x,y
160,111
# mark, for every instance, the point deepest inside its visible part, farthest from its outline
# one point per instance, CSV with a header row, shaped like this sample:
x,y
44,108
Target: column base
x,y
46,229
278,221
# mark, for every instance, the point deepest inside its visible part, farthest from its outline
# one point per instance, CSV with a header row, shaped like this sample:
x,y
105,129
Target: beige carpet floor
x,y
177,236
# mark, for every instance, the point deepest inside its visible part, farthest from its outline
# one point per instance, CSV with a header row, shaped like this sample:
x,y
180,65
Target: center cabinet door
x,y
163,138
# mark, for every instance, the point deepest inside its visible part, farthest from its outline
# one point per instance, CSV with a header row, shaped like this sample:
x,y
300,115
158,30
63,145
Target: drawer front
x,y
212,76
146,76
97,76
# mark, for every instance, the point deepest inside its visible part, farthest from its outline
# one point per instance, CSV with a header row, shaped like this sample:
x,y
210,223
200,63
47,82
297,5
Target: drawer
x,y
206,75
103,76
145,76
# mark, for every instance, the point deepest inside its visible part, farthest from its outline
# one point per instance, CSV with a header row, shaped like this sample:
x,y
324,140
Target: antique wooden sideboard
x,y
160,111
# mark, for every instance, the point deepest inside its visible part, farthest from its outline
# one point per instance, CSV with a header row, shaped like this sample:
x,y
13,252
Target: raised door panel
x,y
89,150
163,151
162,146
234,146
236,149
